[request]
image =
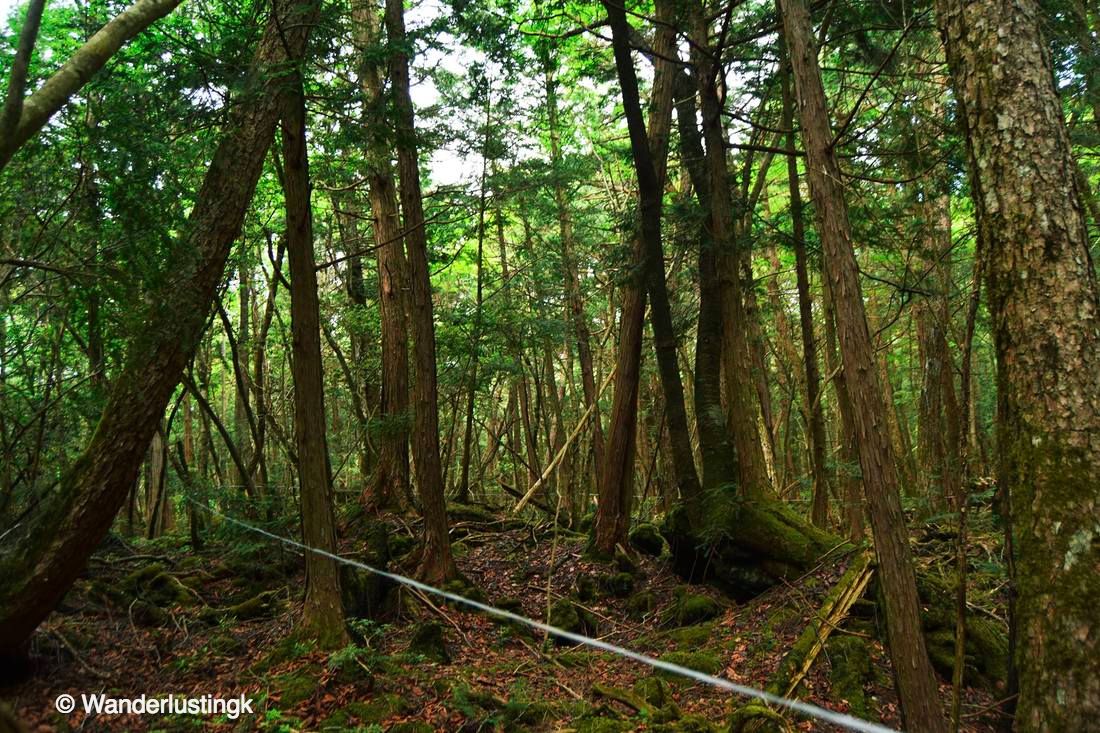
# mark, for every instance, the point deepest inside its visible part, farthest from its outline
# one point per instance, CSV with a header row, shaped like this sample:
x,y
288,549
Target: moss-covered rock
x,y
850,671
624,563
691,608
401,545
461,586
619,585
646,538
641,604
705,662
692,636
157,586
587,588
567,615
427,641
294,687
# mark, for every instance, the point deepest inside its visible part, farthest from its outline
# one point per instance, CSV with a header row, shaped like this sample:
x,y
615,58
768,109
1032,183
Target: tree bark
x,y
1042,293
39,107
391,479
650,194
323,612
57,542
437,564
616,479
916,681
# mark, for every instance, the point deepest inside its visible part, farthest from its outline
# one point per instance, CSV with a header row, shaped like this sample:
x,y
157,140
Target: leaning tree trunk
x,y
650,203
56,542
37,109
1046,324
916,682
436,564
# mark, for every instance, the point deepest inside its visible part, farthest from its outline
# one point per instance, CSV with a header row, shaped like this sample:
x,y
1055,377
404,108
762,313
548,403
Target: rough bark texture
x,y
322,613
391,479
58,540
616,480
437,565
81,66
814,411
1043,302
649,191
916,682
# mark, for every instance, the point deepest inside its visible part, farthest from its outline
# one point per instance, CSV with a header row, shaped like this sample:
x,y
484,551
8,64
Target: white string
x,y
805,708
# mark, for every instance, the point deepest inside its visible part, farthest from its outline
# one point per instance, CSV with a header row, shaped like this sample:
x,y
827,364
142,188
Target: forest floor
x,y
155,618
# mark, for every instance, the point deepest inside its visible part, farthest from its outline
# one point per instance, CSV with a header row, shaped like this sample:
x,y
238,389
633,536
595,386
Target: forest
x,y
549,365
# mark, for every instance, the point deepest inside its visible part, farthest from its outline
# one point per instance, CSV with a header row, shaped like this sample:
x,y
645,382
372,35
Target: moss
x,y
850,663
461,586
401,545
146,614
157,586
757,718
411,726
654,691
226,644
647,539
600,724
705,662
289,648
567,615
366,712
619,585
587,588
690,608
690,724
260,605
427,641
624,562
295,687
641,604
692,636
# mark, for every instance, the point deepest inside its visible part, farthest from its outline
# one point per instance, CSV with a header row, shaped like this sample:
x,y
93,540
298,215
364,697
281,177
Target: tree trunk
x,y
436,564
650,203
616,479
323,612
916,682
1043,302
56,546
391,480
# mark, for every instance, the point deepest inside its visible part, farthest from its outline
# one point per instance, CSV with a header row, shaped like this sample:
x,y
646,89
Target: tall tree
x,y
58,539
915,680
1043,295
322,614
436,563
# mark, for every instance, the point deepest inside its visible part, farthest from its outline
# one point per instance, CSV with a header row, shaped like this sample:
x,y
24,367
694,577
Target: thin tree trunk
x,y
436,564
616,479
391,480
917,689
323,612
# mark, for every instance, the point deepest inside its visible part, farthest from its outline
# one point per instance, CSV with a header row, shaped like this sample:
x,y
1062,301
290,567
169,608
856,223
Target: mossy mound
x,y
587,588
601,723
641,604
461,586
155,585
692,636
294,687
654,691
617,585
646,538
401,545
428,642
567,615
850,663
705,662
691,608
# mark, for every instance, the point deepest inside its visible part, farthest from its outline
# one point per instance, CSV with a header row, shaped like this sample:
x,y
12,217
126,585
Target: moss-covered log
x,y
756,545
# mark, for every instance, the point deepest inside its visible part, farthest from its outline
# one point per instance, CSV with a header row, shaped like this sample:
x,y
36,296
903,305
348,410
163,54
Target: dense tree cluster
x,y
767,272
